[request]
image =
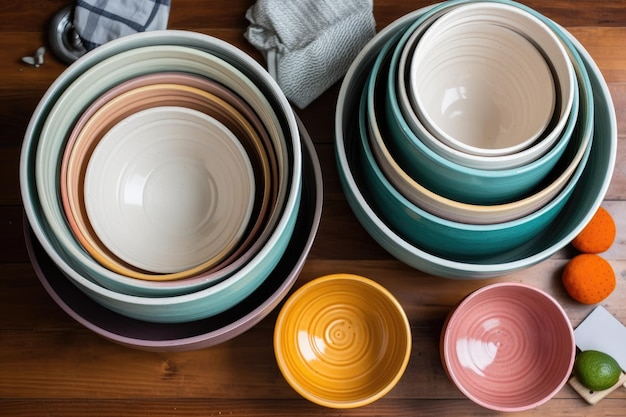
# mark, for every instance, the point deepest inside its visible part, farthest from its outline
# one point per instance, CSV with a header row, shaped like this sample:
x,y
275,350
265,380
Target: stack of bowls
x,y
474,138
164,176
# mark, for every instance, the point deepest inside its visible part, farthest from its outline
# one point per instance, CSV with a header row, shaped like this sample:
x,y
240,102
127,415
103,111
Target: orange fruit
x,y
588,278
598,235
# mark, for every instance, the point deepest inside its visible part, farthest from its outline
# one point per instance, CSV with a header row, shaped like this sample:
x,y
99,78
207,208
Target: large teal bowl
x,y
585,198
445,238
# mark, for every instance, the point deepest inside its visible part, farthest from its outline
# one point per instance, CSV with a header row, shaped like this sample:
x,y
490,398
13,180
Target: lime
x,y
596,370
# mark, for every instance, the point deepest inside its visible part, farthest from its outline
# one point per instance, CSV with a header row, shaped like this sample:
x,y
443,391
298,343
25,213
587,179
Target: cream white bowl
x,y
537,34
481,88
169,188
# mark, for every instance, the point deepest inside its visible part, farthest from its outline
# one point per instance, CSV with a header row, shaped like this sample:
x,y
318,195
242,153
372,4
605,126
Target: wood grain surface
x,y
52,366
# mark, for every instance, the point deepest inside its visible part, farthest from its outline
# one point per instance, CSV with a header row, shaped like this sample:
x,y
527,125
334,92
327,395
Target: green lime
x,y
596,370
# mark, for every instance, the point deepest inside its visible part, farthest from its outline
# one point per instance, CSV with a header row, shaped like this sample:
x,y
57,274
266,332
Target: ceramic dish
x,y
455,181
560,129
193,92
202,333
342,341
458,211
262,94
507,90
587,195
168,189
545,40
508,346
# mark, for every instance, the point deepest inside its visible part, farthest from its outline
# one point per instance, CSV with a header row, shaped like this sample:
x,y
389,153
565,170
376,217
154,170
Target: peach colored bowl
x,y
508,347
105,113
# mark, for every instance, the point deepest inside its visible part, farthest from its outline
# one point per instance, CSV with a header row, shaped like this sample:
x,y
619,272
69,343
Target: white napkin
x,y
99,21
308,45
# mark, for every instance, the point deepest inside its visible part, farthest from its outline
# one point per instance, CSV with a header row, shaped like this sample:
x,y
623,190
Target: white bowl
x,y
556,55
168,189
480,88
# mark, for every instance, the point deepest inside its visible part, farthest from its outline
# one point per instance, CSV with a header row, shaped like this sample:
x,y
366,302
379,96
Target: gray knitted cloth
x,y
308,45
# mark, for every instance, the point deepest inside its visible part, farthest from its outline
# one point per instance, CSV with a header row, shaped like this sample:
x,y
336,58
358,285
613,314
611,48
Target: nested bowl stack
x,y
169,190
466,176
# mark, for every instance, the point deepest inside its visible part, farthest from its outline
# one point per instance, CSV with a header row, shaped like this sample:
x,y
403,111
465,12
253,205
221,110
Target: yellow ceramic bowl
x,y
342,341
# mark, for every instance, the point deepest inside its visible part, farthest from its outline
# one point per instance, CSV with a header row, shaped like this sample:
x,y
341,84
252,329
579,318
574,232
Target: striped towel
x,y
99,21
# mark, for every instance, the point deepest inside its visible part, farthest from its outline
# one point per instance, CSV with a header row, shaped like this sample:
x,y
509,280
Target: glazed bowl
x,y
87,135
141,93
145,92
472,183
199,334
569,156
508,347
584,200
547,43
169,189
463,242
483,89
342,341
119,61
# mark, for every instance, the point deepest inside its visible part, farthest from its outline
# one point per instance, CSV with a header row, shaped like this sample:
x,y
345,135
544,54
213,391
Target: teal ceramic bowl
x,y
448,239
423,197
585,198
73,261
443,175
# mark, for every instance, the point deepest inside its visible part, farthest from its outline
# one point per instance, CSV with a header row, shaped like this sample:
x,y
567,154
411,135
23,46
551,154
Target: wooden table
x,y
52,366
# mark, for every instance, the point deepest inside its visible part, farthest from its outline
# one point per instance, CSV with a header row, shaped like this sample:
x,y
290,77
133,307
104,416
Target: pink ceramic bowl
x,y
508,347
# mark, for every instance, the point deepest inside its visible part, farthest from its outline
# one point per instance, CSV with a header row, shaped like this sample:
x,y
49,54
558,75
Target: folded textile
x,y
99,21
309,45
